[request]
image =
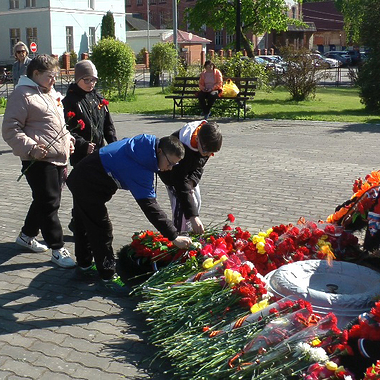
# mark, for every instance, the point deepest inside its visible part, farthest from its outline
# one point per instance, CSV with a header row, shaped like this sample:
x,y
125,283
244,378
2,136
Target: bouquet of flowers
x,y
373,372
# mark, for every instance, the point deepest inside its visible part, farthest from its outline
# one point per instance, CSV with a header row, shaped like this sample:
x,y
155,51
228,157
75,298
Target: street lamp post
x,y
238,22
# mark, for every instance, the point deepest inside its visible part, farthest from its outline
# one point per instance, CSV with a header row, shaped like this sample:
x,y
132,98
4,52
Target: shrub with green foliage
x,y
301,75
163,57
369,73
115,62
108,26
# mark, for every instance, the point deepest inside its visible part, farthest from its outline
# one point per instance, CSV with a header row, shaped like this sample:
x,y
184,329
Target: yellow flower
x,y
263,234
331,366
232,277
269,231
255,239
208,263
315,342
260,247
259,306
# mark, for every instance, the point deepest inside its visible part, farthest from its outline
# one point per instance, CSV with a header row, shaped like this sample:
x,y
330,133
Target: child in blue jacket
x,y
128,164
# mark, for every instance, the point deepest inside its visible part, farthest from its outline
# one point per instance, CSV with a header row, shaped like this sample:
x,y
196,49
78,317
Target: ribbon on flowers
x,y
373,222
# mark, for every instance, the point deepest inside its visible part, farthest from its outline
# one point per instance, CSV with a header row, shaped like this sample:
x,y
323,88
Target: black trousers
x,y
206,101
92,188
45,180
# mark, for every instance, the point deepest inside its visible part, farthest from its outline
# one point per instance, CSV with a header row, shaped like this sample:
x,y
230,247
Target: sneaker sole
x,y
25,245
60,264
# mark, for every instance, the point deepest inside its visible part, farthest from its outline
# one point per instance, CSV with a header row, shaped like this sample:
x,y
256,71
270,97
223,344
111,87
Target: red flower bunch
x,y
153,247
103,104
373,372
368,326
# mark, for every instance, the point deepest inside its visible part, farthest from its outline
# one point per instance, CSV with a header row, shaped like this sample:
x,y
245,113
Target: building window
x,y
91,37
91,4
139,2
162,20
14,4
219,38
294,12
69,39
128,3
230,38
30,4
152,2
31,36
14,35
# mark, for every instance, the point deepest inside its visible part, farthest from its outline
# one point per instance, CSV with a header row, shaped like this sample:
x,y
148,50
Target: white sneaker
x,y
31,243
62,258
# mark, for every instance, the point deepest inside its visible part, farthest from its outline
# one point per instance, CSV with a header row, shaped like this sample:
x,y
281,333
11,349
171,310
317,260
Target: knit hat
x,y
84,69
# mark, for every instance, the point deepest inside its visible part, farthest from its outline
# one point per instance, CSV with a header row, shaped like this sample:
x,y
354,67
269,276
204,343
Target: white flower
x,y
303,348
318,354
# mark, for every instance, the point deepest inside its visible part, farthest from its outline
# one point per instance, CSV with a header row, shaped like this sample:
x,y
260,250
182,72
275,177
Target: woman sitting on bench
x,y
210,85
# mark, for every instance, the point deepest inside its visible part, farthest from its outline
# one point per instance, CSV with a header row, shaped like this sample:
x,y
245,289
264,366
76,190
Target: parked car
x,y
275,61
340,56
323,62
355,56
276,68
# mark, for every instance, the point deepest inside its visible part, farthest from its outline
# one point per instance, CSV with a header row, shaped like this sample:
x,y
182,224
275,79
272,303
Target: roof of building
x,y
134,21
324,15
310,27
187,38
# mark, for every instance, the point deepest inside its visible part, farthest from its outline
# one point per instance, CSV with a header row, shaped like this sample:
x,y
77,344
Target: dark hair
x,y
210,137
209,62
42,62
172,146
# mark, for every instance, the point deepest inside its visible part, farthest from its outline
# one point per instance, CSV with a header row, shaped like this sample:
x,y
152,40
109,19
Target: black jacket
x,y
184,177
99,127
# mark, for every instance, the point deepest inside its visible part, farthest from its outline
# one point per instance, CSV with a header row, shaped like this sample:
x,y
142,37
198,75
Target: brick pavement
x,y
268,172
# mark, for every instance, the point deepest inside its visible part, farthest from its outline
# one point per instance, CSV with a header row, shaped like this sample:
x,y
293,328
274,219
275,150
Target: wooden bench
x,y
186,88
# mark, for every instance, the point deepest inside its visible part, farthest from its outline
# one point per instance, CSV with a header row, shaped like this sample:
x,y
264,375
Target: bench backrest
x,y
190,85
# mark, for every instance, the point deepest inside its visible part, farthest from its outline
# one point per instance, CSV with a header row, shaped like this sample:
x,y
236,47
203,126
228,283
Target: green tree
x,y
163,57
108,26
115,62
361,18
258,17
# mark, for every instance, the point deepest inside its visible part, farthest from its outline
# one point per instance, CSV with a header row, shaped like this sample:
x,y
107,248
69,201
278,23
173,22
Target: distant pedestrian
x,y
128,164
20,52
201,140
210,85
34,127
83,100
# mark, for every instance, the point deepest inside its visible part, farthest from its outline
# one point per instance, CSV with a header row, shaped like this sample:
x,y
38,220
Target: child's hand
x,y
182,242
197,225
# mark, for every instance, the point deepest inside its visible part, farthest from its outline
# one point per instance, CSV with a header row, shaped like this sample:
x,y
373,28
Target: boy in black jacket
x,y
201,140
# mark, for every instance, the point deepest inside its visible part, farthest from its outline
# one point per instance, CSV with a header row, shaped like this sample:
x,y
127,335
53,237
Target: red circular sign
x,y
33,47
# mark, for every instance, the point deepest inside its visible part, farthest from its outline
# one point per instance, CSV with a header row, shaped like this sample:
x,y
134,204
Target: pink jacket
x,y
218,80
33,117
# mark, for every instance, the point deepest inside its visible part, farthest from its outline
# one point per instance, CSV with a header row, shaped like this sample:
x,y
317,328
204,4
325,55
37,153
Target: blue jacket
x,y
132,162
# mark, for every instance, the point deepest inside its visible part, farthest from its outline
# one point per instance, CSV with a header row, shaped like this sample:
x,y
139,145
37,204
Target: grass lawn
x,y
329,104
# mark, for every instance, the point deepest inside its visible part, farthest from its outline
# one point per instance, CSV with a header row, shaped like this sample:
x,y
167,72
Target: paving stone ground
x,y
268,172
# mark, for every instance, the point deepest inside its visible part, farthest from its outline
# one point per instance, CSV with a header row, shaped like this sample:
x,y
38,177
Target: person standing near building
x,y
20,52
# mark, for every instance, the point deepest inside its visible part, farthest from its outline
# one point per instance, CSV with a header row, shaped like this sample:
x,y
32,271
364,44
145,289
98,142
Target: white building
x,y
56,26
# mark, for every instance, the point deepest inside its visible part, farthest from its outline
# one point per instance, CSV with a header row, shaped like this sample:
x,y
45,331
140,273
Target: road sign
x,y
33,47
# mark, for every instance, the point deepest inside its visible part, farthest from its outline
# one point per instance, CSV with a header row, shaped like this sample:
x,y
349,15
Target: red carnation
x,y
231,218
105,102
70,114
81,124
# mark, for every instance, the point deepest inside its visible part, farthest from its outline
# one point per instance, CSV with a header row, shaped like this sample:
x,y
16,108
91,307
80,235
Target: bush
x,y
301,75
115,62
163,57
368,80
140,56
